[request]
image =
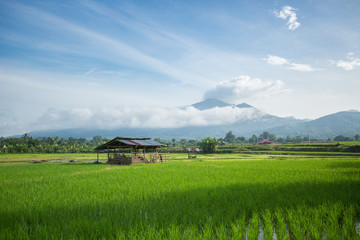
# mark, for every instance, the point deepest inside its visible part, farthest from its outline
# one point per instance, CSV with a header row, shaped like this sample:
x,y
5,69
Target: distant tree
x,y
163,142
240,139
267,135
208,145
298,139
97,140
193,142
253,139
357,137
339,138
184,142
220,141
230,137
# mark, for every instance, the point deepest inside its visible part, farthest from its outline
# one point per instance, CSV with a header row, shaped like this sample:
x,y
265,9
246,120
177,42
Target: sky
x,y
108,64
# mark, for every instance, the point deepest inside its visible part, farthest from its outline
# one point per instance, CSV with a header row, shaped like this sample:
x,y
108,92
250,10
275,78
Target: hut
x,y
125,151
192,152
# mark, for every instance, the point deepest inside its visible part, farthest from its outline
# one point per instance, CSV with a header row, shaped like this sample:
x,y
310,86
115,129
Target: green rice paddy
x,y
220,196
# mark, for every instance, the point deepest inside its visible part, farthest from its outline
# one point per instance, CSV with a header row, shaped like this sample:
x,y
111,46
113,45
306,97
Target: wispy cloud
x,y
288,13
349,64
244,87
275,60
107,46
301,67
90,71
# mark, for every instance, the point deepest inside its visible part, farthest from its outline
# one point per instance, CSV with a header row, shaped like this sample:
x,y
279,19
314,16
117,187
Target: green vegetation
x,y
28,144
53,157
216,196
208,145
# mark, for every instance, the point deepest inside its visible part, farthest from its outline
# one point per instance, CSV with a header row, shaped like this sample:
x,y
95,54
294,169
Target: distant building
x,y
265,141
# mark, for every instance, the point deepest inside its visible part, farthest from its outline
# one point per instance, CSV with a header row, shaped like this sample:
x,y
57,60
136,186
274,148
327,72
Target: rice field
x,y
227,196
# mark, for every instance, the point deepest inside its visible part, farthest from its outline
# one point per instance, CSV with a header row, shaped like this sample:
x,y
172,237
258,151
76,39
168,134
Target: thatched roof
x,y
121,142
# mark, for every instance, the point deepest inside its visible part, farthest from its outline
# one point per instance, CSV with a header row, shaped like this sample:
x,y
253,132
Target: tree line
x,y
28,144
231,138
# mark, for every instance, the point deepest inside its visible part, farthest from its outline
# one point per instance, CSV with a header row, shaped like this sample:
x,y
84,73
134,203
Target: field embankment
x,y
321,149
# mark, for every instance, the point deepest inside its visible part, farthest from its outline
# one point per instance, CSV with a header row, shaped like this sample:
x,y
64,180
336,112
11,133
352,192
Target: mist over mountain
x,y
248,121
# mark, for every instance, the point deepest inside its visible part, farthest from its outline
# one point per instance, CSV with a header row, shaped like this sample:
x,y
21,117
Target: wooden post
x,y
97,159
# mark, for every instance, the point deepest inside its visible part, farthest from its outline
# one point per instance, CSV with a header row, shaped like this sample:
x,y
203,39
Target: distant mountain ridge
x,y
345,123
212,102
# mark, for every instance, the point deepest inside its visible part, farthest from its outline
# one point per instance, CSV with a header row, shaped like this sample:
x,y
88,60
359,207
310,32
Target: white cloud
x,y
275,60
9,124
288,13
244,87
349,65
301,67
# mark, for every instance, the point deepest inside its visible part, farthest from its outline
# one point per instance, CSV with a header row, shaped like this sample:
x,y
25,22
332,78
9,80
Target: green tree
x,y
208,145
193,142
97,140
230,137
267,135
357,137
240,139
253,139
184,142
339,138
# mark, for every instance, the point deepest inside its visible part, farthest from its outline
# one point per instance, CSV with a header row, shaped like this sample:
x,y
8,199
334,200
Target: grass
x,y
25,157
219,196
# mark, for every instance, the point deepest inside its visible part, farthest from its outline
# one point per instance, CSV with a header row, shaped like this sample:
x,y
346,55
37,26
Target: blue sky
x,y
69,64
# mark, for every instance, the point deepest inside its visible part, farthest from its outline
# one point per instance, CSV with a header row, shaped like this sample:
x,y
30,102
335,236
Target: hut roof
x,y
265,141
121,142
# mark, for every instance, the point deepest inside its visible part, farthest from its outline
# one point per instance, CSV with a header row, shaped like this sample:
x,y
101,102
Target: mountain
x,y
244,105
345,123
210,103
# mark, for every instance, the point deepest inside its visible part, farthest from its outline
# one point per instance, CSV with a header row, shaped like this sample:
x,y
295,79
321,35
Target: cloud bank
x,y
244,87
140,117
288,13
275,60
350,64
